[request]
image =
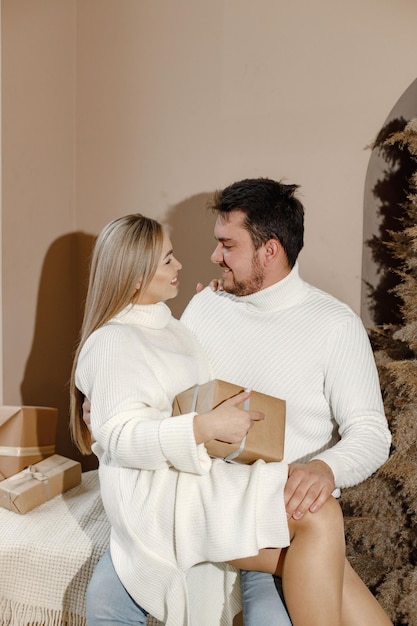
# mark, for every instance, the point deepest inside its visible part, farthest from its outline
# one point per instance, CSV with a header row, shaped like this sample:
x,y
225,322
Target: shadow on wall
x,y
58,319
61,299
192,236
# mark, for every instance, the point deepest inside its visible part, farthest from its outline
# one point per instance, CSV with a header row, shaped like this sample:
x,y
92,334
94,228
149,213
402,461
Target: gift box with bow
x,y
265,440
38,483
27,435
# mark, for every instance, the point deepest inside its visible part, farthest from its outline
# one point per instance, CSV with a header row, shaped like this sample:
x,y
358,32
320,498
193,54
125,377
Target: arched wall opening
x,y
386,187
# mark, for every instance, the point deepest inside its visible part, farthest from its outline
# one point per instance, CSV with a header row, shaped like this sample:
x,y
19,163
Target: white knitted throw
x,y
48,555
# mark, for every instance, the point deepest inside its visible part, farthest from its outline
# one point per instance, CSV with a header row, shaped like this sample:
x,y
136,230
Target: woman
x,y
172,509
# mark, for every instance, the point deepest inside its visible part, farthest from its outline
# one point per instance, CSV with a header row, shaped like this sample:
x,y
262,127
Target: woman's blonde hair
x,y
126,254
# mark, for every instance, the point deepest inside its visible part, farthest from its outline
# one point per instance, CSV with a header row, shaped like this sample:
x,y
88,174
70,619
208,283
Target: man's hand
x,y
308,487
216,285
86,413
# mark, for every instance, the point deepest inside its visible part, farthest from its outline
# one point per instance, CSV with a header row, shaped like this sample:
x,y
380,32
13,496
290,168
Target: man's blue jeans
x,y
109,604
262,600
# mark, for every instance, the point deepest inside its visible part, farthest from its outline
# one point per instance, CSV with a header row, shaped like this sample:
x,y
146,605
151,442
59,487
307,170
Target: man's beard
x,y
252,284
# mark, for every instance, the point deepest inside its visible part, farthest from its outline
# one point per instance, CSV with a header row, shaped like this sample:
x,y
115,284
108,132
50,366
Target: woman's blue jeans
x,y
108,603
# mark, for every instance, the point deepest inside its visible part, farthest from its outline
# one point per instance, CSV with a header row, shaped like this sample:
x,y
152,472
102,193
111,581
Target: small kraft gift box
x,y
38,483
265,440
27,435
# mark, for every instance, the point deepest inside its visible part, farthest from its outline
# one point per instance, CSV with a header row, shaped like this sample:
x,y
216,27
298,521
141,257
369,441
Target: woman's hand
x,y
226,422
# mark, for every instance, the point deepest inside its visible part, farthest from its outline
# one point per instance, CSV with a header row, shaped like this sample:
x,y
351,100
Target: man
x,y
270,331
273,332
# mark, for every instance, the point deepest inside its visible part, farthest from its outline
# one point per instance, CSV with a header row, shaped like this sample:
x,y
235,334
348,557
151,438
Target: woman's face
x,y
164,284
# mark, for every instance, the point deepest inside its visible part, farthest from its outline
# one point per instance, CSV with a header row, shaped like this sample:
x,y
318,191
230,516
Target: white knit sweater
x,y
170,506
298,343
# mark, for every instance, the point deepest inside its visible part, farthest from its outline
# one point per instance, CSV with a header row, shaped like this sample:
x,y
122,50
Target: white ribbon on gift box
x,y
22,477
235,454
26,451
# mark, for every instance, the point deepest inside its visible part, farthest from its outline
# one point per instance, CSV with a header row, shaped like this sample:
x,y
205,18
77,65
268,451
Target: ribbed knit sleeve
x,y
353,392
130,406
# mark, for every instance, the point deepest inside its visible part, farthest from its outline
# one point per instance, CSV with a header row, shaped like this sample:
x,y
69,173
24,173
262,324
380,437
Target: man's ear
x,y
272,251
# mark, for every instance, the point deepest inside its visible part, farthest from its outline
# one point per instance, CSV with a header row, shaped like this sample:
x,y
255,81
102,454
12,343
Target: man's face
x,y
242,270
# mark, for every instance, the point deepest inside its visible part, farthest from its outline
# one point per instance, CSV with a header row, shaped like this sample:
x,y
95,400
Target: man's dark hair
x,y
271,212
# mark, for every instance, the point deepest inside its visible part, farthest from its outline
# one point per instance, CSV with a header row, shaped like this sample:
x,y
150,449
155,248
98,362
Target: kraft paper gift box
x,y
38,483
27,435
265,440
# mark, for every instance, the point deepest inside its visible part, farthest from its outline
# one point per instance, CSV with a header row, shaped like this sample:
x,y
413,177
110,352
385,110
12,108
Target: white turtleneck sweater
x,y
295,342
170,506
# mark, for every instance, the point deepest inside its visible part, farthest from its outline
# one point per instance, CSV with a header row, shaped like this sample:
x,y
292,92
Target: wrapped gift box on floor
x,y
38,483
265,440
27,435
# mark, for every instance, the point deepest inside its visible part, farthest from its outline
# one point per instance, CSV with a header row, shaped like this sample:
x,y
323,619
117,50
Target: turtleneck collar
x,y
281,295
154,316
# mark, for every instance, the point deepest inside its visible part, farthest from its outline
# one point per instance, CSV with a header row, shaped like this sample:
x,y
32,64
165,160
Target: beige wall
x,y
113,106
